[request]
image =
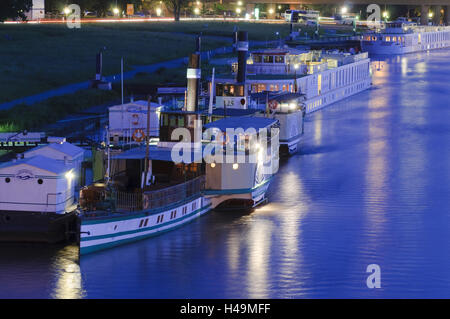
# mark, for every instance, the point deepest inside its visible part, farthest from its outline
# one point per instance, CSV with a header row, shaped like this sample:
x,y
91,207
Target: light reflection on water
x,y
371,186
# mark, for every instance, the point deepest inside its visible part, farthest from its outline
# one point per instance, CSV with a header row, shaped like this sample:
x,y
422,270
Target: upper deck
x,y
282,62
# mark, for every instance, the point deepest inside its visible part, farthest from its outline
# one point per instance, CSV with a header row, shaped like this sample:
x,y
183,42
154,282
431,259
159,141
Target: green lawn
x,y
36,58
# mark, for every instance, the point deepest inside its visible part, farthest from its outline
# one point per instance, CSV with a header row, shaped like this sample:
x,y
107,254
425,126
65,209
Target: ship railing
x,y
128,201
145,200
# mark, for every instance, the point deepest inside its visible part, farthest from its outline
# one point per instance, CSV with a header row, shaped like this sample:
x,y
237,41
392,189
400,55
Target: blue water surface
x,y
370,186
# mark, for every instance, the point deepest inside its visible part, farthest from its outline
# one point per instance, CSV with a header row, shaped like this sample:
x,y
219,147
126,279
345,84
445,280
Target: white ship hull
x,y
323,100
378,48
102,233
238,199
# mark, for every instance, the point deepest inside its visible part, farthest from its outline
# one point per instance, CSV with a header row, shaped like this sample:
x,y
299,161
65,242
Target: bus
x,y
301,16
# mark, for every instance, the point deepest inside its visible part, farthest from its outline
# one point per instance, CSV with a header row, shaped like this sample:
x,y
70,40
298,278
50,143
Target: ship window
x,y
181,121
279,59
268,59
387,39
40,181
394,39
257,59
7,180
194,206
173,121
165,119
140,224
146,222
239,90
219,90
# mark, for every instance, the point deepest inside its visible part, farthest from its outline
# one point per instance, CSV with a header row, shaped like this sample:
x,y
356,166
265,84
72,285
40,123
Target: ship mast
x,y
147,141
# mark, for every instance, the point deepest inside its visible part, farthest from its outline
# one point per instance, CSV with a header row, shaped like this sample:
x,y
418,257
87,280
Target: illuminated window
x,y
279,59
268,59
387,39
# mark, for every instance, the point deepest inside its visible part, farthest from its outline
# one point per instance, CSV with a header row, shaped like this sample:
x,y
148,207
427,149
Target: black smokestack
x,y
98,67
193,82
242,47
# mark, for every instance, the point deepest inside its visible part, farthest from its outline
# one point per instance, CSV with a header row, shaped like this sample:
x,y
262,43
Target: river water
x,y
371,186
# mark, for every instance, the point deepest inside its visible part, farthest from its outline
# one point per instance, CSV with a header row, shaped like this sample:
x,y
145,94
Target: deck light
x,y
430,15
235,166
213,165
70,175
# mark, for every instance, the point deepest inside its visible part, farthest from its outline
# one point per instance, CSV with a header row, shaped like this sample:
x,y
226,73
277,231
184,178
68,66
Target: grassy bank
x,y
38,58
34,117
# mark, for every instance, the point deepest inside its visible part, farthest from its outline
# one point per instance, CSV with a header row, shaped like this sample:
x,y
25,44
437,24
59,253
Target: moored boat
x,y
399,38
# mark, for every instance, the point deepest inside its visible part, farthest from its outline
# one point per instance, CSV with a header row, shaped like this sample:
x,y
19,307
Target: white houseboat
x,y
400,38
37,202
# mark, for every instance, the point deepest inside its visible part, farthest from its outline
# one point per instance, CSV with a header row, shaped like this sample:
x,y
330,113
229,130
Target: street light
x,y
197,11
271,11
158,12
116,11
239,3
430,15
66,10
344,10
238,10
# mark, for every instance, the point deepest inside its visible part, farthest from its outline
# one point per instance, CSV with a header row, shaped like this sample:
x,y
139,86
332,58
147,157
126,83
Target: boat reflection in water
x,y
40,271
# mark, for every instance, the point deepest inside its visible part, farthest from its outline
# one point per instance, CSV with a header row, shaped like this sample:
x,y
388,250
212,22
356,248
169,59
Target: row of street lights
x,y
238,10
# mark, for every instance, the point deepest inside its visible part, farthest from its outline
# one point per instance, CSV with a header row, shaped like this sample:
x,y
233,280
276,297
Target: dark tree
x,y
175,6
13,9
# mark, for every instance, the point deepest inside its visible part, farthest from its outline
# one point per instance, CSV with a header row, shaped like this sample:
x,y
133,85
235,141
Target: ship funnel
x,y
193,82
242,47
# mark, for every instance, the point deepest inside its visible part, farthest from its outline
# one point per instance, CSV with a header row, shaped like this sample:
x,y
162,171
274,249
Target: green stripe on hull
x,y
94,248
